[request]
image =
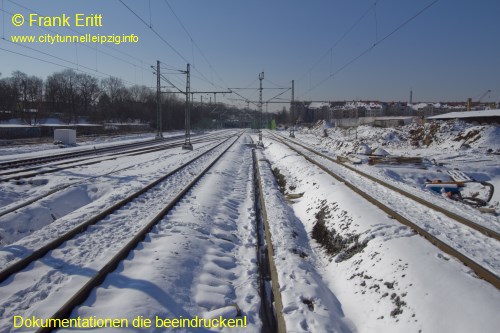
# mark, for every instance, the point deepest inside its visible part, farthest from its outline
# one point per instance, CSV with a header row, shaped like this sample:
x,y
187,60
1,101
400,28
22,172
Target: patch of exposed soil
x,y
344,247
280,179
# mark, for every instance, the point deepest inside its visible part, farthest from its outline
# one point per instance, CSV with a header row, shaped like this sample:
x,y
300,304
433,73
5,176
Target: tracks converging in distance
x,y
105,221
62,251
313,156
16,163
164,146
44,164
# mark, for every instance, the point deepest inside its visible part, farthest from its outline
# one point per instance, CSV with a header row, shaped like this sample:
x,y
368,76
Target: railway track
x,y
50,140
375,189
16,174
16,163
97,230
68,234
18,206
92,151
205,253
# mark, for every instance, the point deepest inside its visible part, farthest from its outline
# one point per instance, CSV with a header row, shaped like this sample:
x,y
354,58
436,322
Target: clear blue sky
x,y
448,53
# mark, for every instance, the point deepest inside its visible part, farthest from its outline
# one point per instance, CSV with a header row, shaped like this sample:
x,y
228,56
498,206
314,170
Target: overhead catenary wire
x,y
70,62
154,31
245,99
194,43
168,68
81,34
165,69
80,67
376,20
46,61
281,93
371,47
330,49
275,84
3,20
173,85
166,42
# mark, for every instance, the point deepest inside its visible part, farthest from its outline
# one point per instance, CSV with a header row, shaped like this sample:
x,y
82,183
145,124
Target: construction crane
x,y
469,100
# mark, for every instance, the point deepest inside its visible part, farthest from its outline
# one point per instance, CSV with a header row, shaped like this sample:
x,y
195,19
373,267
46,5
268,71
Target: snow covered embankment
x,y
199,261
399,282
308,304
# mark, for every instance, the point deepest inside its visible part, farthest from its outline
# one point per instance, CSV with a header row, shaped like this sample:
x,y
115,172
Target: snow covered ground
x,y
443,145
201,259
398,282
33,150
198,261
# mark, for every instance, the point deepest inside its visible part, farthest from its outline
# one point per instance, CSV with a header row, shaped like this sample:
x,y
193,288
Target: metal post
x,y
292,113
261,77
187,140
159,133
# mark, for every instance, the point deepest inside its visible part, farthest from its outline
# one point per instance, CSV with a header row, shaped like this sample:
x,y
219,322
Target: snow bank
x,y
399,282
308,304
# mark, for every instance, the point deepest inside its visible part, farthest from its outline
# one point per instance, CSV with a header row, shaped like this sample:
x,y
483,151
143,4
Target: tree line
x,y
70,95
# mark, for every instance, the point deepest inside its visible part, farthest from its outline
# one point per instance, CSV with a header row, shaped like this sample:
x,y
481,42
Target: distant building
x,y
354,113
392,121
482,117
315,111
355,109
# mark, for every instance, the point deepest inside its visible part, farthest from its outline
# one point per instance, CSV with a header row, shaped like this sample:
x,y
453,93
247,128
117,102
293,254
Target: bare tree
x,y
113,87
61,91
8,98
32,114
20,84
88,90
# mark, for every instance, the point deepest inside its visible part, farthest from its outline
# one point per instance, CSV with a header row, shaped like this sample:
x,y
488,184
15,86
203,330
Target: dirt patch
x,y
280,179
344,247
416,136
309,303
424,135
468,135
431,134
388,291
398,303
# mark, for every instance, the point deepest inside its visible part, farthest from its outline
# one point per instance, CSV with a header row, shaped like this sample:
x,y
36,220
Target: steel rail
x,y
82,294
480,271
145,150
482,229
40,162
58,157
90,151
60,188
109,151
40,252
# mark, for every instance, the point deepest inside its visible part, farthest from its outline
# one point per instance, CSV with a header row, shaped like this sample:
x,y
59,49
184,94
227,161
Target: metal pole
x,y
187,141
292,112
261,77
159,133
